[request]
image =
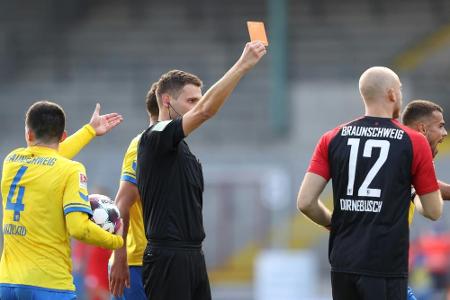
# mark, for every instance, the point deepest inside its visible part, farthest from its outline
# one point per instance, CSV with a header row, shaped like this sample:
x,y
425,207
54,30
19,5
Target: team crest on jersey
x,y
83,181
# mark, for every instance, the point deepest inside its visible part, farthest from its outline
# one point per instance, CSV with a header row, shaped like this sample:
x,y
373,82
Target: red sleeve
x,y
319,162
423,173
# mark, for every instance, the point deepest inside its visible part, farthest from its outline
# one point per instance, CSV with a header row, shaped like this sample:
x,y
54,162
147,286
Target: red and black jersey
x,y
372,163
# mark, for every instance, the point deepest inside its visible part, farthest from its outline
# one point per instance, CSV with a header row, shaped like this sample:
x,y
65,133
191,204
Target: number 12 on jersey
x,y
364,189
18,206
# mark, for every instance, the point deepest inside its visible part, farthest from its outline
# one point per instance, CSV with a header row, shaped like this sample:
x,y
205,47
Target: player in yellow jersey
x,y
44,204
126,269
426,117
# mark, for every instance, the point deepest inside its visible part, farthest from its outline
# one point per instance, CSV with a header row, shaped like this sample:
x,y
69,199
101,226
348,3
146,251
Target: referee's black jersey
x,y
170,183
372,163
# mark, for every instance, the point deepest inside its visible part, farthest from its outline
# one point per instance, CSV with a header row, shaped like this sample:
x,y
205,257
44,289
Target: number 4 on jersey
x,y
18,206
364,190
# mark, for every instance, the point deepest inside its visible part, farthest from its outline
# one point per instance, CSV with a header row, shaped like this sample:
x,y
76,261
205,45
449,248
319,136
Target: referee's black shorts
x,y
175,271
347,286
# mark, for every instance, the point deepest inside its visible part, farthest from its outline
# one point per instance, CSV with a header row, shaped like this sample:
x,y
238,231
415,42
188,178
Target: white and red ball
x,y
104,212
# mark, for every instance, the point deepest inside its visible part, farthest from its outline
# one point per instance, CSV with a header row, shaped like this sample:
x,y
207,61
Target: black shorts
x,y
175,273
347,286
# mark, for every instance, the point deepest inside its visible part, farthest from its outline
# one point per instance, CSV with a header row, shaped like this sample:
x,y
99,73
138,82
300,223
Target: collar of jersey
x,y
42,149
379,118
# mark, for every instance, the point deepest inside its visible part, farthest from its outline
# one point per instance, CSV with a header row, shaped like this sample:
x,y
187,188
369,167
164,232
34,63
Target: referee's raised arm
x,y
216,96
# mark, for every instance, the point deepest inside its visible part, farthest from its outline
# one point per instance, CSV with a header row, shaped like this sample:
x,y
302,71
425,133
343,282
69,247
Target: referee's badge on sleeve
x,y
83,181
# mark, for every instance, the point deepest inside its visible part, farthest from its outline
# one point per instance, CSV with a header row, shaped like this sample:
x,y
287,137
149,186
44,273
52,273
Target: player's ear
x,y
29,135
422,128
63,136
391,95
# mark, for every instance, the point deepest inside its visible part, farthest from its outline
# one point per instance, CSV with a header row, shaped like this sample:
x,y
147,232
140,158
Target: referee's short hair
x,y
46,120
174,81
151,101
418,109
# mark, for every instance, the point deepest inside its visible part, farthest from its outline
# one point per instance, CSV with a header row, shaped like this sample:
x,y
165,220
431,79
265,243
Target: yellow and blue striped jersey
x,y
136,240
39,187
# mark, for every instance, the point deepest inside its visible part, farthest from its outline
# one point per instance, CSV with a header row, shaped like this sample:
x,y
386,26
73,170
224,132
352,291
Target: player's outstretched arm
x,y
308,199
432,205
216,96
445,190
98,126
445,193
81,228
119,277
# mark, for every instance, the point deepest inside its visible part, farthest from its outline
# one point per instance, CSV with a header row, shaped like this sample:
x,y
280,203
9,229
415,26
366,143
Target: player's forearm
x,y
432,205
81,228
445,190
71,146
125,199
317,212
308,201
120,254
125,214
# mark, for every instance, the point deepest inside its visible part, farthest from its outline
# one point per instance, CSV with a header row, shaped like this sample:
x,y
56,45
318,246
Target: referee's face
x,y
189,96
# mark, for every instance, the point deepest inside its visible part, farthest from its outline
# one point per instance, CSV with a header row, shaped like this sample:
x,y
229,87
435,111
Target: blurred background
x,y
256,150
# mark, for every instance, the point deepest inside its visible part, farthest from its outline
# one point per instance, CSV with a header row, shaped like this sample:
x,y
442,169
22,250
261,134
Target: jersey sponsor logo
x,y
134,165
373,132
12,229
160,126
83,181
361,205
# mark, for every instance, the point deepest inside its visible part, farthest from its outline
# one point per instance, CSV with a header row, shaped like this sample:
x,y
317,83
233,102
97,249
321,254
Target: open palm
x,y
102,124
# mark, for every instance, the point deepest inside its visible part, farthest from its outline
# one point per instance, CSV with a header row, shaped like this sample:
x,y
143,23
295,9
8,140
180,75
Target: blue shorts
x,y
136,290
410,294
26,292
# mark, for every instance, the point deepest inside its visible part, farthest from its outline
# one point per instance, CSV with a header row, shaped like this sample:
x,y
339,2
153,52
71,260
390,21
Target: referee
x,y
170,181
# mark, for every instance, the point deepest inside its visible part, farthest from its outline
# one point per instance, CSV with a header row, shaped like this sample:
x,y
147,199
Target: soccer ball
x,y
104,212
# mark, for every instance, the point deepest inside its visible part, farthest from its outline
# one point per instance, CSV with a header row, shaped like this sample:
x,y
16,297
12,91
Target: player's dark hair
x,y
47,121
418,109
151,101
173,82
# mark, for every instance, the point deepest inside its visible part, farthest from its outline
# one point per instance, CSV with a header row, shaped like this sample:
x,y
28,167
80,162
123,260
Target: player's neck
x,y
379,112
